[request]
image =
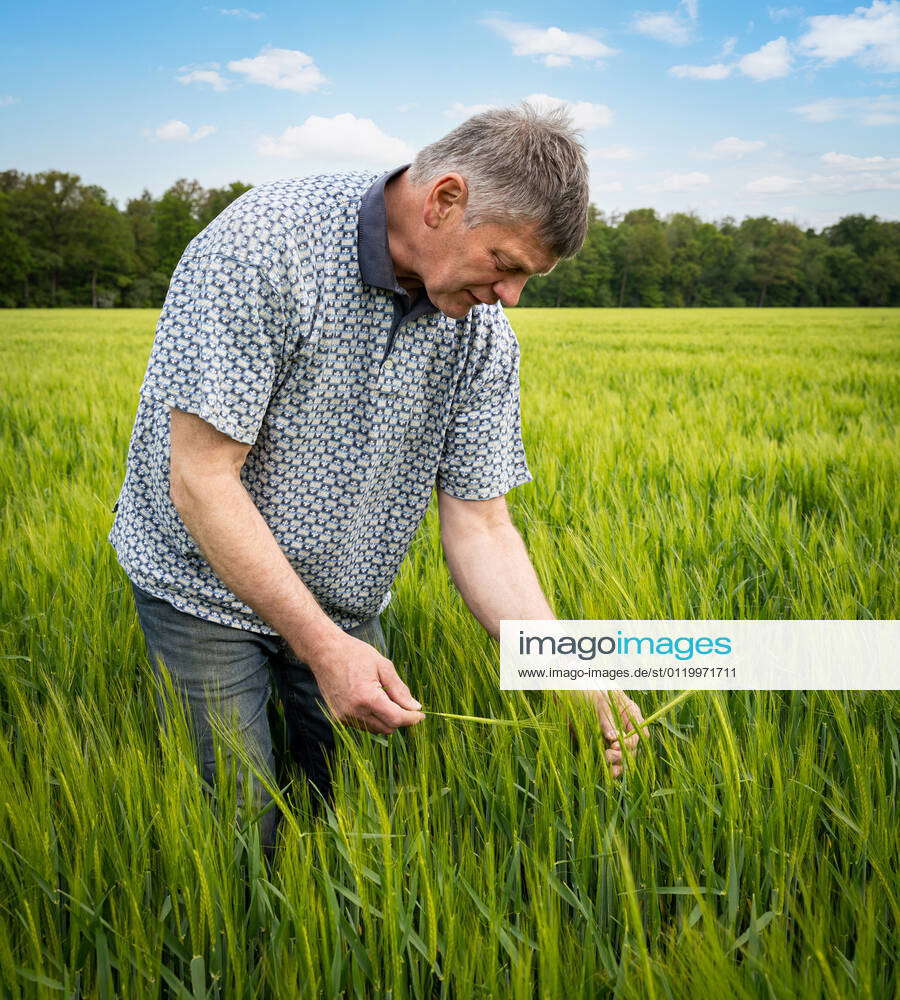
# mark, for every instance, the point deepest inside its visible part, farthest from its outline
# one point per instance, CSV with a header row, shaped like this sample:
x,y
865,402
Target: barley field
x,y
687,464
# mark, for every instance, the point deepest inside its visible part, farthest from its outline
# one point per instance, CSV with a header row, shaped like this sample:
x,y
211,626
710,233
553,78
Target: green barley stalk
x,y
677,700
490,722
535,722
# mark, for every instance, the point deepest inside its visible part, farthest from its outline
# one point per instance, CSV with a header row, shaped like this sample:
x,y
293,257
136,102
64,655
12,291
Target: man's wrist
x,y
312,642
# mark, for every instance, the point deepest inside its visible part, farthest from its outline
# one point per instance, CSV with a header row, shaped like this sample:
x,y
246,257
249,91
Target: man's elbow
x,y
460,519
180,491
457,532
202,460
193,489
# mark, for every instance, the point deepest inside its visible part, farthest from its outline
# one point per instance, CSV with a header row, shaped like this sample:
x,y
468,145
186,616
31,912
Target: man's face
x,y
463,267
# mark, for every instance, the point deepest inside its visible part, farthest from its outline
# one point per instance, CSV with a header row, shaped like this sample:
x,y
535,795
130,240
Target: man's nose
x,y
509,289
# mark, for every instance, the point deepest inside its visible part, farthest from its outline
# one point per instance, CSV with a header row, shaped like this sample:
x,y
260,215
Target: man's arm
x,y
360,686
491,568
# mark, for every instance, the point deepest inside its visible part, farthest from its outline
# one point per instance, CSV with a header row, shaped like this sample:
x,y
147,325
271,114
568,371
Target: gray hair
x,y
521,164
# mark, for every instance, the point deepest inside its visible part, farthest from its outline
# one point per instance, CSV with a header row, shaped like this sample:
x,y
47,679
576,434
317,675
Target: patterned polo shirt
x,y
271,333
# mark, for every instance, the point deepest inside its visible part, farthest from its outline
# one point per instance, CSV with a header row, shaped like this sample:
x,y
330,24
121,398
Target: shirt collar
x,y
375,264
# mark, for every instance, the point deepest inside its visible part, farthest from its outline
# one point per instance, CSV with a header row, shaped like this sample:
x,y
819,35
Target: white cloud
x,y
771,185
851,183
403,108
555,46
584,115
769,62
675,27
685,182
606,187
459,111
840,183
211,76
242,12
734,148
611,153
829,109
173,129
6,101
283,69
344,138
871,35
881,110
717,71
849,162
178,131
664,27
785,13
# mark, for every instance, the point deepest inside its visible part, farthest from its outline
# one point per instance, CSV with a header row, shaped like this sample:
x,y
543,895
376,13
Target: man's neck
x,y
400,205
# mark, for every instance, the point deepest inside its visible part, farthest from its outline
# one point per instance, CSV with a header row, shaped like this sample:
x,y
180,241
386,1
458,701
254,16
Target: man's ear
x,y
447,197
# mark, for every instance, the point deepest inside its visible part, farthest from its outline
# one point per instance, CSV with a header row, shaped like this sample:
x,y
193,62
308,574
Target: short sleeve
x,y
483,455
219,344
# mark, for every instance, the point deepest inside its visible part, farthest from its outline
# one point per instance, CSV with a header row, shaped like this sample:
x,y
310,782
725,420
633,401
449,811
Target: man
x,y
332,348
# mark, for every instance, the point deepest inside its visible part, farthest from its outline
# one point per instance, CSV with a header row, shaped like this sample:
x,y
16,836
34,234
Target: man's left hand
x,y
631,717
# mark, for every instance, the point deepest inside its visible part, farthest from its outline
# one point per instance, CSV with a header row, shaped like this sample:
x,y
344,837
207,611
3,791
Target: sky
x,y
724,109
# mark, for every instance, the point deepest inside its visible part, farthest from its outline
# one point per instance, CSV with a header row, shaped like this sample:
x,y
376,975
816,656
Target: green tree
x,y
47,207
774,253
177,220
863,233
876,245
104,244
842,276
218,199
15,254
881,278
641,257
149,282
685,264
595,262
141,216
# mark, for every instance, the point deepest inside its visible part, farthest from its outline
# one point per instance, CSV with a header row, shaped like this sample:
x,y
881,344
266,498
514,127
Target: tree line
x,y
64,243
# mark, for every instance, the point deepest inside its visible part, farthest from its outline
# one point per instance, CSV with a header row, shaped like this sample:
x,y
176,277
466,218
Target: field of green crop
x,y
688,464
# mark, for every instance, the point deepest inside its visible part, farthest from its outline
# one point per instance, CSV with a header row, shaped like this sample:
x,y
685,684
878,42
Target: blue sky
x,y
721,108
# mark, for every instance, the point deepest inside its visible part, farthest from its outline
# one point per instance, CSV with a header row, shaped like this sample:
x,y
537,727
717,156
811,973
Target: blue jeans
x,y
240,666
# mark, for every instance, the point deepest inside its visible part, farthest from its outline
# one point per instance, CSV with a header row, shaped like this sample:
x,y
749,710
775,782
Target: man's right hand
x,y
358,684
361,687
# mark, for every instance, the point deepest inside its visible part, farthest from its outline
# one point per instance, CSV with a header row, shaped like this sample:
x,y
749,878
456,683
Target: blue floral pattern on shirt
x,y
269,333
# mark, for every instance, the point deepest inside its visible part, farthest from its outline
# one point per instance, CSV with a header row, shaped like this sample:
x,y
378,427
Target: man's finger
x,y
631,741
396,689
374,725
368,723
389,713
631,718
